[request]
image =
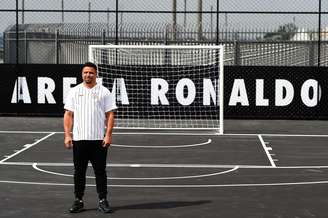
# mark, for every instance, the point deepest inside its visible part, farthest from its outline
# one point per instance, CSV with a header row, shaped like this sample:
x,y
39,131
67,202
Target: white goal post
x,y
164,86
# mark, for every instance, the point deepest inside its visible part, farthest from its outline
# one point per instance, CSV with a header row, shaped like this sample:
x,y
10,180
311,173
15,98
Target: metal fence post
x,y
25,48
103,37
57,46
116,22
166,36
311,53
217,22
17,30
237,53
166,54
319,34
5,60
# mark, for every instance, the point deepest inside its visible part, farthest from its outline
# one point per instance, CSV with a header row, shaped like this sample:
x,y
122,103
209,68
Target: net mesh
x,y
170,87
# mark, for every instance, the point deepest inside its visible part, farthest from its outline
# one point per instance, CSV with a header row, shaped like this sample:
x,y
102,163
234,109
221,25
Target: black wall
x,y
298,77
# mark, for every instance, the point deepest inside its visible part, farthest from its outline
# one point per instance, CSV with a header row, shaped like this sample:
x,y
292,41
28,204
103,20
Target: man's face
x,y
89,75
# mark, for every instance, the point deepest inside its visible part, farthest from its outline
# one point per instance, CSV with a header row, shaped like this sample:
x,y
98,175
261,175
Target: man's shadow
x,y
157,205
160,205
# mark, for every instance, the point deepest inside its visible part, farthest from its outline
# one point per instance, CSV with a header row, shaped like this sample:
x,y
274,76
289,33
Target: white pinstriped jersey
x,y
89,107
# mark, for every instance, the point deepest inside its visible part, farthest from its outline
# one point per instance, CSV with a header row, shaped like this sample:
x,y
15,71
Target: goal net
x,y
163,86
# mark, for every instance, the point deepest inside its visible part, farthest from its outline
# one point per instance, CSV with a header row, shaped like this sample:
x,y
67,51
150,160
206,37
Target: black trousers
x,y
83,152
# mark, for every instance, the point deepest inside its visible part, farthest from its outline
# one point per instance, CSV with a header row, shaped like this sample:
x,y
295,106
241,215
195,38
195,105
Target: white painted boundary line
x,y
142,178
118,133
28,132
286,135
200,166
266,151
177,133
173,186
27,147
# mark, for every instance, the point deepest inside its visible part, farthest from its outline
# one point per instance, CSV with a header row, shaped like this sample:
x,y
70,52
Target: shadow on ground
x,y
160,205
157,205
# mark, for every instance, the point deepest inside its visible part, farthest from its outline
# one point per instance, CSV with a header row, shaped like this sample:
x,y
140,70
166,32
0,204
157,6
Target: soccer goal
x,y
163,86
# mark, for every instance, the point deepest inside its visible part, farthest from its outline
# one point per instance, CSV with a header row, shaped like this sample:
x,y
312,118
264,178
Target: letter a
x,y
23,92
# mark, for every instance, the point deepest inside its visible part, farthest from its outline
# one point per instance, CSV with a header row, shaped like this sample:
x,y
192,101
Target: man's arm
x,y
68,123
109,128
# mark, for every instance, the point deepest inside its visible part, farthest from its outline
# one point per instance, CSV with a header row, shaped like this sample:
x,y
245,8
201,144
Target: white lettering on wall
x,y
312,85
191,91
119,92
238,93
46,86
159,88
209,92
185,92
67,85
23,92
260,100
283,86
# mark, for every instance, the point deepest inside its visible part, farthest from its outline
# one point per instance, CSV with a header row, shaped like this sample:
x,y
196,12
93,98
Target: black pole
x,y
319,34
23,14
17,30
116,23
89,13
62,8
174,20
319,48
185,15
89,18
217,21
17,54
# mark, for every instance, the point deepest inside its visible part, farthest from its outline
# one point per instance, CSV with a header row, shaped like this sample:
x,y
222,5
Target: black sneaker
x,y
103,206
77,206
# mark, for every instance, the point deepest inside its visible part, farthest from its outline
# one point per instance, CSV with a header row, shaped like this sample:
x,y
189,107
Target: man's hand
x,y
68,122
68,142
106,142
109,127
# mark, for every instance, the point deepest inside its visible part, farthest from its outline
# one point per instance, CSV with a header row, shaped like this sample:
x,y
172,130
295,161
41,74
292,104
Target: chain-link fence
x,y
254,32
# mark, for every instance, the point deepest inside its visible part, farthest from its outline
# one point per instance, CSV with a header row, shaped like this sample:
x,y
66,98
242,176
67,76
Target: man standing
x,y
89,110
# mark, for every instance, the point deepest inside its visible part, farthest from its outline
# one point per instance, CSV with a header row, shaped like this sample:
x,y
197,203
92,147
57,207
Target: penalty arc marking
x,y
161,146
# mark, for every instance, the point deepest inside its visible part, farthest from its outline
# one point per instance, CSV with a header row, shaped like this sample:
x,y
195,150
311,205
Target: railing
x,y
68,44
260,32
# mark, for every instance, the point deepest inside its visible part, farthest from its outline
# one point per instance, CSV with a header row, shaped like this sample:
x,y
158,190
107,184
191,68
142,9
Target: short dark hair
x,y
89,64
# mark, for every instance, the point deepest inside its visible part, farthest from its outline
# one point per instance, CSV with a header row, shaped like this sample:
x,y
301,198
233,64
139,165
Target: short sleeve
x,y
69,101
109,101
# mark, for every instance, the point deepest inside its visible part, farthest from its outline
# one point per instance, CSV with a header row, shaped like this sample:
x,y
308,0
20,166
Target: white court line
x,y
140,178
209,166
172,186
27,147
266,149
29,132
117,133
175,165
292,135
160,146
177,186
177,133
